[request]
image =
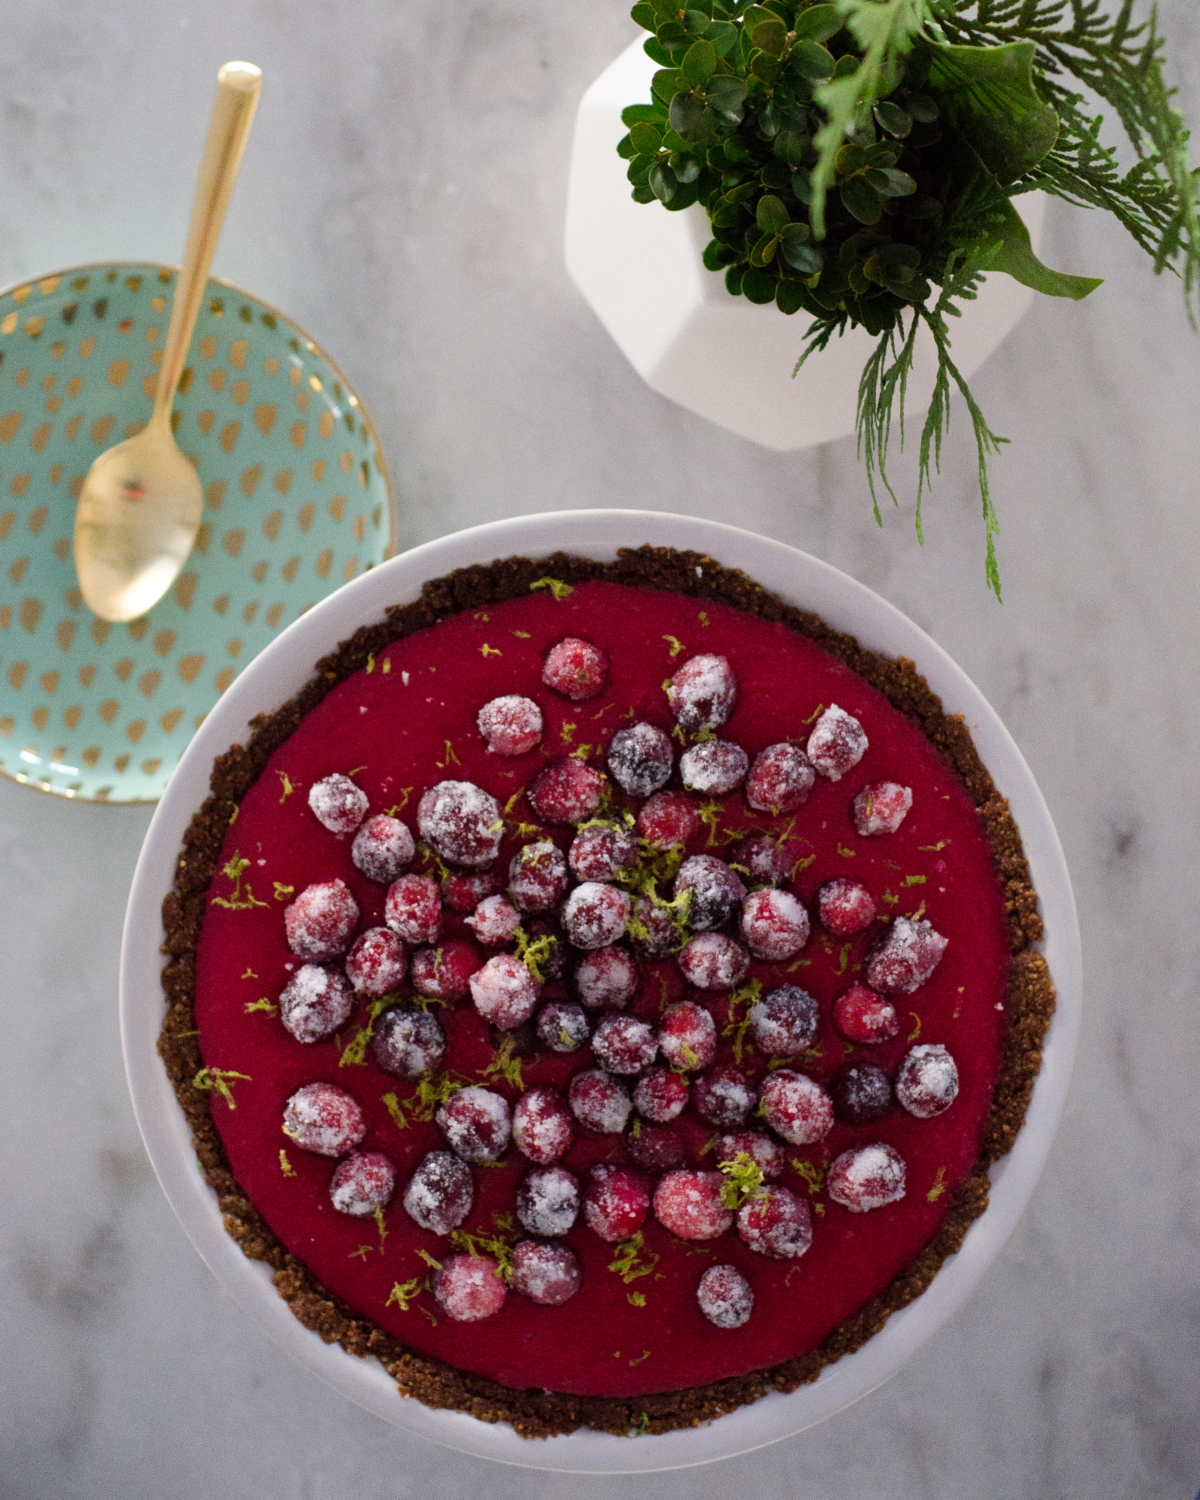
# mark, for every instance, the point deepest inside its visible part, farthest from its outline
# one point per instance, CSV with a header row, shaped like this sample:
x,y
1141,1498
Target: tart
x,y
601,992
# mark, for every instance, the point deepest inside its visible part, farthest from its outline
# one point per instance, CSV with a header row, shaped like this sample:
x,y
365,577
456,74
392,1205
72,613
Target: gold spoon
x,y
139,509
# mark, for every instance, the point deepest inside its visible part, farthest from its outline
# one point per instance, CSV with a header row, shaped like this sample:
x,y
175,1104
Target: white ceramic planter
x,y
721,356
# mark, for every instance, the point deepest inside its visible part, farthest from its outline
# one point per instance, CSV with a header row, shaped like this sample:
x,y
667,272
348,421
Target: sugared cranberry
x,y
864,1016
477,1124
576,669
444,972
725,1297
562,1026
689,1204
376,965
715,891
765,860
408,1043
324,1119
616,1202
601,850
440,1192
655,1148
687,1035
382,848
607,979
837,743
702,693
669,818
713,767
845,906
511,725
315,1003
654,930
905,957
548,1201
881,808
469,1288
599,1101
780,779
624,1045
413,909
775,1223
537,876
869,1177
861,1092
541,1125
774,924
722,1097
504,992
767,1155
660,1095
712,961
796,1107
927,1083
495,921
784,1022
568,792
463,892
461,822
320,922
640,758
361,1183
595,915
547,1274
338,804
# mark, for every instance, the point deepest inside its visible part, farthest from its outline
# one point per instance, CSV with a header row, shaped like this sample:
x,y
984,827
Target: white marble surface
x,y
402,197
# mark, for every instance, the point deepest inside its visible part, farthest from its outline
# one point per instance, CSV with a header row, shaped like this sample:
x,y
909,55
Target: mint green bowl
x,y
297,502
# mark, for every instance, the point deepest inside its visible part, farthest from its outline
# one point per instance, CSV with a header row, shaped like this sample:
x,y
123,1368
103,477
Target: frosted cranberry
x,y
775,1223
687,1035
567,792
599,1102
511,725
624,1045
725,1297
661,1095
861,1092
440,1192
504,992
548,1201
796,1107
469,1288
870,1177
881,808
376,965
382,848
715,891
595,915
476,1123
780,779
362,1182
765,860
338,804
905,957
689,1205
541,1125
864,1016
927,1083
408,1043
601,850
576,669
607,979
562,1026
461,822
552,956
537,876
702,693
722,1097
463,892
713,767
784,1022
320,922
640,758
323,1119
315,1003
655,1148
712,961
837,743
547,1274
444,972
845,906
413,909
774,924
768,1155
616,1203
669,818
495,921
654,929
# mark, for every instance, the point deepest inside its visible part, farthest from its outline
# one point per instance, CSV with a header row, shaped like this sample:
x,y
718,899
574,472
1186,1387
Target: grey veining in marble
x,y
402,197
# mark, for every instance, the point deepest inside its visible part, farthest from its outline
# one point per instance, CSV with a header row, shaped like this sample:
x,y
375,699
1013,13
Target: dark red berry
x,y
837,743
601,850
722,1097
595,915
477,1124
377,964
780,779
712,961
599,1101
320,922
383,847
607,979
655,1148
624,1045
687,1035
511,725
713,767
654,929
866,1178
547,1274
469,1288
774,924
669,818
768,1155
881,808
440,1192
725,1297
323,1119
495,921
315,1003
413,909
504,992
702,693
576,669
765,860
338,804
362,1183
461,822
689,1205
660,1094
796,1107
548,1201
568,792
861,1092
784,1022
775,1223
463,892
444,972
562,1026
541,1125
715,891
616,1202
864,1016
408,1043
552,956
905,957
537,876
927,1083
640,759
845,906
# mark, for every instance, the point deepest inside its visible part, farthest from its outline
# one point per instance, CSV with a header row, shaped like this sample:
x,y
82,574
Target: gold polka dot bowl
x,y
296,503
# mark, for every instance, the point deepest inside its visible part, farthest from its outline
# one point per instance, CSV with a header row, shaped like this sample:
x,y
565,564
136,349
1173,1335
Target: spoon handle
x,y
238,85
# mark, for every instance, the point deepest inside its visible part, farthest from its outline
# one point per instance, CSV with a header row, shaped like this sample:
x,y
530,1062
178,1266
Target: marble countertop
x,y
419,238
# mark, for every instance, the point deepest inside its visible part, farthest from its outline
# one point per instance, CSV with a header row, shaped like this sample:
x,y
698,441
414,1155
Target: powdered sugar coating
x,y
547,1274
765,860
927,1083
320,922
867,1178
444,972
687,1035
537,876
669,818
845,906
576,668
688,1204
837,744
440,1192
338,804
600,850
774,924
495,921
775,1223
796,1107
548,1201
567,792
541,1125
715,891
640,759
595,915
376,964
383,847
723,1097
784,1022
408,1043
511,725
780,779
562,1026
713,961
469,1288
477,1124
599,1102
702,693
323,1119
616,1202
413,909
713,767
881,808
906,957
362,1182
768,1155
864,1016
661,1095
315,1002
624,1045
606,979
725,1297
504,992
461,822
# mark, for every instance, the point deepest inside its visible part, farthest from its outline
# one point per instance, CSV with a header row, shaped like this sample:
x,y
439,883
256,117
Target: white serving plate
x,y
279,672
